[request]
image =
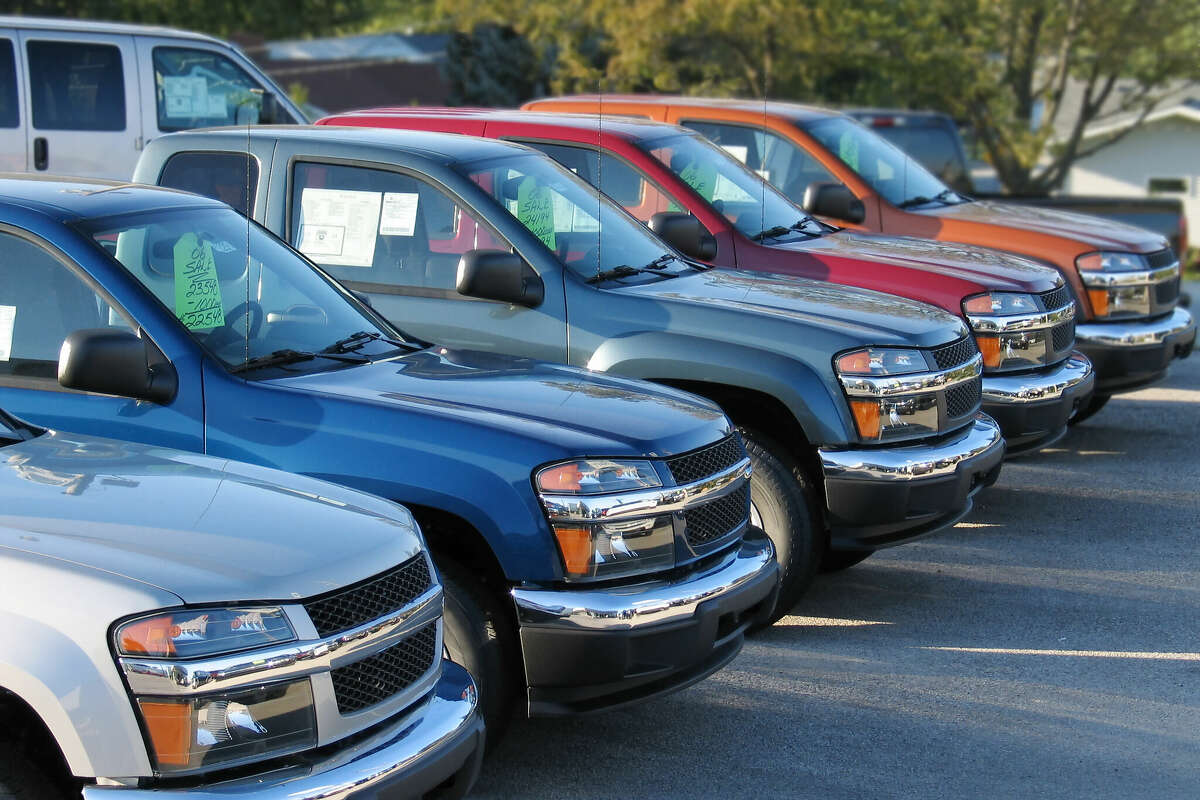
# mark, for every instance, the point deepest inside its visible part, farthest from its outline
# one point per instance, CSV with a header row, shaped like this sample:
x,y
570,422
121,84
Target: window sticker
x,y
737,151
848,150
535,210
399,215
338,227
185,96
216,105
8,320
197,290
701,177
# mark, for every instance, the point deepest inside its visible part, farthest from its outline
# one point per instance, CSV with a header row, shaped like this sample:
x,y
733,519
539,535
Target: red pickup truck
x,y
709,206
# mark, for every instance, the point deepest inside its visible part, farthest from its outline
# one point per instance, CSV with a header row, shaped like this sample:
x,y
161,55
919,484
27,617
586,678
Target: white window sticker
x,y
399,217
737,151
338,227
186,96
216,105
8,318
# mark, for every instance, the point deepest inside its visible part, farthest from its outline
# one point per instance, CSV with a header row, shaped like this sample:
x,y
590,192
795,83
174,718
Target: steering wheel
x,y
226,334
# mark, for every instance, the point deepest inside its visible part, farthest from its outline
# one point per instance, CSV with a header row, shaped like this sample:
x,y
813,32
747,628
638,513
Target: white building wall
x,y
1169,148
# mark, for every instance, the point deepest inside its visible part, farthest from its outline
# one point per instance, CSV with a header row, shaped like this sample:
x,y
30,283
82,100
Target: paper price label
x,y
338,227
197,290
8,321
535,210
399,214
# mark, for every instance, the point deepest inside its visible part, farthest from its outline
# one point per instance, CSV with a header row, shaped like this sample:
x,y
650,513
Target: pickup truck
x,y
581,571
1020,313
859,410
1124,280
933,139
185,626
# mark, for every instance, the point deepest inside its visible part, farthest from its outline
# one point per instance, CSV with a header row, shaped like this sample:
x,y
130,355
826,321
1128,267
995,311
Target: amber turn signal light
x,y
575,544
989,348
866,417
170,728
1099,300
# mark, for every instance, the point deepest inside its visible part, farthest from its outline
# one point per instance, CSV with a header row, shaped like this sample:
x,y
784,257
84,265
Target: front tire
x,y
784,505
20,779
479,636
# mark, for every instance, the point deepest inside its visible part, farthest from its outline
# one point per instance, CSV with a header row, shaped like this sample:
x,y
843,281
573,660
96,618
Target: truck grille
x,y
1062,336
713,521
1055,298
963,399
1166,292
1163,258
955,353
378,677
371,599
707,461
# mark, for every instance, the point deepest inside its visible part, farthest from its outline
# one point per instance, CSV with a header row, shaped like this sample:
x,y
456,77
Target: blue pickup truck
x,y
592,532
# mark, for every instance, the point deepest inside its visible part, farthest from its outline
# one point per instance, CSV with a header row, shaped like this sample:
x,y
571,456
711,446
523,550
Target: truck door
x,y
83,103
13,113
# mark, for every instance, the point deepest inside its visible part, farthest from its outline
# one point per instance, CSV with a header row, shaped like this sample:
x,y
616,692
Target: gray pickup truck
x,y
860,411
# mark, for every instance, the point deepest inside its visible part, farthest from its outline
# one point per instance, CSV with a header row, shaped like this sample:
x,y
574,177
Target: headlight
x,y
598,476
1121,284
222,729
893,392
881,361
1111,262
1012,330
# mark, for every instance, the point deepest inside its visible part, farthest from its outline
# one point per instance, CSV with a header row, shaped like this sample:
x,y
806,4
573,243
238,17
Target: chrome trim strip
x,y
1036,387
162,677
647,502
1104,280
1134,334
864,386
1023,322
652,603
447,716
913,462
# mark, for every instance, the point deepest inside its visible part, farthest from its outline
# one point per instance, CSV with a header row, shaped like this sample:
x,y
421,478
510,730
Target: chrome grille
x,y
1163,258
371,599
1062,336
378,677
1055,298
707,461
955,353
712,521
963,399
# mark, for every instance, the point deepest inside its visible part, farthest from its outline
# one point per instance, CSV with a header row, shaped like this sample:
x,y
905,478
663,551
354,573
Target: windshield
x,y
239,291
583,228
753,206
899,178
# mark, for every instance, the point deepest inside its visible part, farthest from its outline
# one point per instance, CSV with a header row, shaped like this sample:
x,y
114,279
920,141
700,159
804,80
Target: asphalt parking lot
x,y
1048,646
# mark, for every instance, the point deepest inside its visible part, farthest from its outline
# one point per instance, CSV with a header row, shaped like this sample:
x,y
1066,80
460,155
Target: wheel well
x,y
23,729
764,413
451,537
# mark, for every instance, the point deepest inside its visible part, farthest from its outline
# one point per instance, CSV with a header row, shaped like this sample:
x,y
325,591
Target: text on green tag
x,y
535,210
197,293
701,177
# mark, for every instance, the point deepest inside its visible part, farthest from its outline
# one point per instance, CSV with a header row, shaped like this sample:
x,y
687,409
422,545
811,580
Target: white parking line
x,y
1081,653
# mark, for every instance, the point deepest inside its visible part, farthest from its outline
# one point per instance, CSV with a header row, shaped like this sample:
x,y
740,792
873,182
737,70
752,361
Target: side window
x,y
41,301
76,86
779,162
374,226
9,113
229,177
201,88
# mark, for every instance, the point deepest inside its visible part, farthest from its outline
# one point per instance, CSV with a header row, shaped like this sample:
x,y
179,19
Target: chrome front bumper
x,y
440,740
914,462
1135,333
1129,355
1033,409
1066,378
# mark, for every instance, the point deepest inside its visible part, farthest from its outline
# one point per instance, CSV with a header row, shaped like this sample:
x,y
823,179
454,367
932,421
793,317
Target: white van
x,y
82,98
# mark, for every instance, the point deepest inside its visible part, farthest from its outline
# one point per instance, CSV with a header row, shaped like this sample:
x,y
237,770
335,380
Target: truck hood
x,y
573,410
204,529
1097,233
860,315
983,268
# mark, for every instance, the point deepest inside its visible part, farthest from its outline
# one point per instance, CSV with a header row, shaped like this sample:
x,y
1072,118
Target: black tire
x,y
838,560
786,508
479,637
20,779
1094,405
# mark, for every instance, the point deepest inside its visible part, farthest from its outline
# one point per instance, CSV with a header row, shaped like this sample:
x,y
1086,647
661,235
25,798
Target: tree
x,y
492,66
1029,76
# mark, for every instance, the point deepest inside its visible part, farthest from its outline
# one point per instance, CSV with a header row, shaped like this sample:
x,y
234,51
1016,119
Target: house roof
x,y
1185,108
411,48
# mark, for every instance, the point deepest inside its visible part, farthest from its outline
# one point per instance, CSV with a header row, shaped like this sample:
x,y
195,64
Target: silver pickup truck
x,y
191,627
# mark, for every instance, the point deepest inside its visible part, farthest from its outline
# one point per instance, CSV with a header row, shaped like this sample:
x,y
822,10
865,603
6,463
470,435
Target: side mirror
x,y
113,361
833,200
685,233
499,275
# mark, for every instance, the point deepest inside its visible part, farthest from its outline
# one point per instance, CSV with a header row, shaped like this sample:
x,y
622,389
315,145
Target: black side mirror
x,y
685,233
499,275
829,199
117,362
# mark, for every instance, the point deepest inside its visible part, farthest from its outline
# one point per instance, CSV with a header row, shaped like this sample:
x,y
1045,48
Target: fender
x,y
661,355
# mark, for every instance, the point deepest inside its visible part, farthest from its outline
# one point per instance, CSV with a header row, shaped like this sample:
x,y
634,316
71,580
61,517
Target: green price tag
x,y
197,293
701,177
535,210
848,151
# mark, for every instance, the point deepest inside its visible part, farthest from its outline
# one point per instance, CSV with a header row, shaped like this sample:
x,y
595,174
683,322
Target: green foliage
x,y
492,66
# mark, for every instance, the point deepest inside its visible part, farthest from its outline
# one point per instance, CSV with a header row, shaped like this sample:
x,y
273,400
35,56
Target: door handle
x,y
41,153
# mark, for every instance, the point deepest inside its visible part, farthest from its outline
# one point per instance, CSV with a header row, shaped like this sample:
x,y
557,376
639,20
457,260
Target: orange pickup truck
x,y
1125,279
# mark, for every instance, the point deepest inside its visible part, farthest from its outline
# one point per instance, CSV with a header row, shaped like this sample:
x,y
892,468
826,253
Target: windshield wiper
x,y
942,197
780,230
657,266
356,340
281,358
